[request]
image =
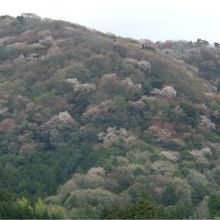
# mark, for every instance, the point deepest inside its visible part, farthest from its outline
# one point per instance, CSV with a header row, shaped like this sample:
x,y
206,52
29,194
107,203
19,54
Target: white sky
x,y
152,19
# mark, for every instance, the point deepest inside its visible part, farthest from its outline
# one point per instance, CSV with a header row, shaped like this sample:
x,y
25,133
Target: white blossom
x,y
206,122
167,91
200,153
114,135
78,86
127,82
103,107
60,120
144,65
171,155
130,61
96,171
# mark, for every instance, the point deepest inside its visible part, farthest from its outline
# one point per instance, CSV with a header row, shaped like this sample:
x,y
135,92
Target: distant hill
x,y
91,121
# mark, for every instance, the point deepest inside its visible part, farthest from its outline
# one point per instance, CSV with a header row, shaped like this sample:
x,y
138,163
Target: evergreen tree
x,y
169,196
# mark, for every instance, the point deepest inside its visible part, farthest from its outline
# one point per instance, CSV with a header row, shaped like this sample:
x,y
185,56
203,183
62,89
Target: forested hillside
x,y
98,126
203,56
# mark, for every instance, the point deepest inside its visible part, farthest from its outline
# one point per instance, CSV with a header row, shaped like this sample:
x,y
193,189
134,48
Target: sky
x,y
157,20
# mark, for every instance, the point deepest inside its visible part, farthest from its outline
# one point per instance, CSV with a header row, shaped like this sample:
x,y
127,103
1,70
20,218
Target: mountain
x,y
100,126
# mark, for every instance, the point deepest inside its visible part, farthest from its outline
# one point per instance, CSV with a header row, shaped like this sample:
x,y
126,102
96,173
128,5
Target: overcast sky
x,y
152,19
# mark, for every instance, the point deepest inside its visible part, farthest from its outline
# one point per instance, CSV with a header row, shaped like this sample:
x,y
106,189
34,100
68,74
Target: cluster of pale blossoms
x,y
78,86
200,153
103,107
96,171
143,65
206,122
127,82
114,135
60,120
112,78
167,91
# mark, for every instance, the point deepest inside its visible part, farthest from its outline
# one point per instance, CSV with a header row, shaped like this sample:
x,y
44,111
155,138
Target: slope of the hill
x,y
89,121
204,57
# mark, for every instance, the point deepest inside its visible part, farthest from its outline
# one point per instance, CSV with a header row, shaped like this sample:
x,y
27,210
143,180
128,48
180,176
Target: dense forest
x,y
98,126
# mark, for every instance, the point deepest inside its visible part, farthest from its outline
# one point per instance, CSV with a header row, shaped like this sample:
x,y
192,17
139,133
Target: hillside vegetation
x,y
100,126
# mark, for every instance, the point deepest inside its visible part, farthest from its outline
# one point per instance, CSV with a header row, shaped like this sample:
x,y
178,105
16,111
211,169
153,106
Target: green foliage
x,y
24,209
7,205
147,137
141,209
214,205
56,212
179,211
190,114
27,211
169,196
154,158
198,193
43,98
185,155
113,213
40,209
213,105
